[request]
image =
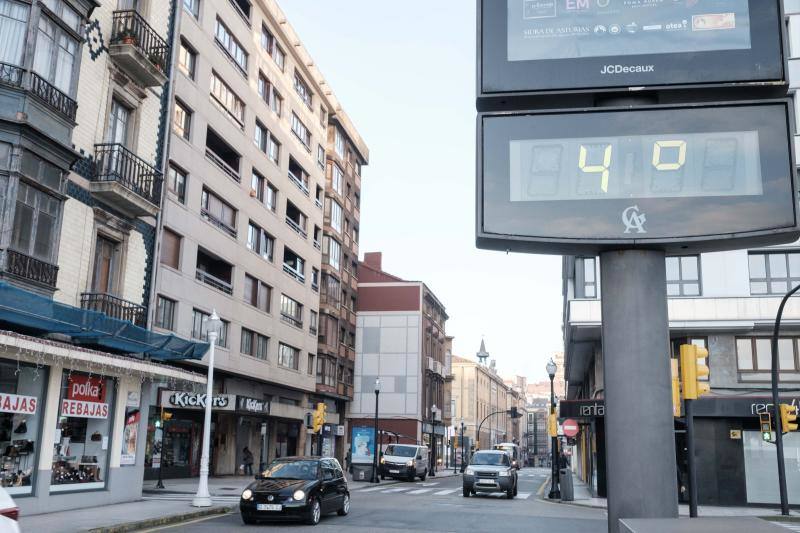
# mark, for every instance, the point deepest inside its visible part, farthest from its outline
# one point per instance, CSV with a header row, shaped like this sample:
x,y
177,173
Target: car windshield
x,y
291,470
492,459
401,451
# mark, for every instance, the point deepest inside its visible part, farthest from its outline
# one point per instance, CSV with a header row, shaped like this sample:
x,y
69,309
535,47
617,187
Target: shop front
x,y
252,432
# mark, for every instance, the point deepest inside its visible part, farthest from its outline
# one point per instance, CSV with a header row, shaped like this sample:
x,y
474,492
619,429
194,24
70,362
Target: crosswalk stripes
x,y
370,489
445,492
523,495
420,491
396,489
789,525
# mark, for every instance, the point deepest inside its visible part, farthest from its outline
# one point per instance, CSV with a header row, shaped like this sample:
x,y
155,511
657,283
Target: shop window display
x,y
21,409
82,439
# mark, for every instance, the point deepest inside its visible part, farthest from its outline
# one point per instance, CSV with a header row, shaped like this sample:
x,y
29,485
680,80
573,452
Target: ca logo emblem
x,y
634,220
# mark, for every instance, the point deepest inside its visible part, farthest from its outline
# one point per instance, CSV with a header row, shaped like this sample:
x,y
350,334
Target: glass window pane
x,y
691,289
777,265
794,265
778,287
588,270
786,354
744,354
588,291
758,267
673,289
673,272
23,224
758,287
689,268
763,354
45,230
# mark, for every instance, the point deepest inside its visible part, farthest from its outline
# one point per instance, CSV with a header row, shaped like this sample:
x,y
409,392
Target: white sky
x,y
405,73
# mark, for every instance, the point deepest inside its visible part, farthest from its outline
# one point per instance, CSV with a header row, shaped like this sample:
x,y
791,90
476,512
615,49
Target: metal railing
x,y
300,185
10,74
295,274
296,227
129,27
115,307
225,167
114,162
30,268
218,223
53,97
317,245
292,320
213,281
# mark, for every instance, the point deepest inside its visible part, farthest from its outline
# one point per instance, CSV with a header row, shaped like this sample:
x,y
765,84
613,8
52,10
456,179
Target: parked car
x,y
405,461
296,488
9,513
513,452
490,471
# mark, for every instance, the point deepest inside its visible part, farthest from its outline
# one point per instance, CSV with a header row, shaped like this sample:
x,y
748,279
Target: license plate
x,y
394,471
269,507
486,481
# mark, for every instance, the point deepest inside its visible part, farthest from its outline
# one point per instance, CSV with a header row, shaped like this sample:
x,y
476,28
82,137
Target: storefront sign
x,y
13,403
718,407
252,405
363,445
134,399
340,431
428,429
196,400
82,409
581,408
86,389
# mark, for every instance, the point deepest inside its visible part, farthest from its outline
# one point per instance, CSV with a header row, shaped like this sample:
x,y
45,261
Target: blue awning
x,y
34,312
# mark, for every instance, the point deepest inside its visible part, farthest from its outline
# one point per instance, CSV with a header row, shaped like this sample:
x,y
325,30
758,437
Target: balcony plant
x,y
157,59
127,36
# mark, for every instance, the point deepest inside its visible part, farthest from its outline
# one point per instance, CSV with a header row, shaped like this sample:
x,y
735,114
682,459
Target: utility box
x,y
565,482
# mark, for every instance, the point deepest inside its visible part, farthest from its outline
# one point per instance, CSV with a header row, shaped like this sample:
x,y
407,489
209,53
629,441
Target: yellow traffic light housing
x,y
676,389
319,417
788,418
766,426
691,370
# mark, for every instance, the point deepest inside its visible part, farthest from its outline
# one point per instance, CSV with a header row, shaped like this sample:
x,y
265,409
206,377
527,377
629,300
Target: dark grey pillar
x,y
640,442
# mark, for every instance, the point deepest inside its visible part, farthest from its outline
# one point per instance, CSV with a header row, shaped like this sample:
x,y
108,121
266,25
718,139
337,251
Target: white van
x,y
513,451
405,461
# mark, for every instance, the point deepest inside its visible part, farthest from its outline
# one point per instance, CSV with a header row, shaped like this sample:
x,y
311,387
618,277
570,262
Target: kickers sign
x,y
85,398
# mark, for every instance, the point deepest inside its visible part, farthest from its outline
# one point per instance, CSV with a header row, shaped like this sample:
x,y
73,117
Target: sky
x,y
405,74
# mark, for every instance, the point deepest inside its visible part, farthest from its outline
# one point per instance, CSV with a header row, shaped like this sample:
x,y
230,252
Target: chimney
x,y
374,260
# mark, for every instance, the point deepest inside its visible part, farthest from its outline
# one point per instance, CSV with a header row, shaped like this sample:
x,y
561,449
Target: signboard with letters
x,y
15,403
85,397
196,400
252,405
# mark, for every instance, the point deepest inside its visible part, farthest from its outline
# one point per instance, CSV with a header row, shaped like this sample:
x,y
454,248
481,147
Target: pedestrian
x,y
247,459
348,461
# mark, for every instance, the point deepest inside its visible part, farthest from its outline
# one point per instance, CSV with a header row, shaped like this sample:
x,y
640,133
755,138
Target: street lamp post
x,y
554,491
203,498
434,413
461,442
377,448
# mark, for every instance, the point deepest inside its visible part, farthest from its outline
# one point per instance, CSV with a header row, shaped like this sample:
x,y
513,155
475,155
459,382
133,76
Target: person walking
x,y
348,461
247,460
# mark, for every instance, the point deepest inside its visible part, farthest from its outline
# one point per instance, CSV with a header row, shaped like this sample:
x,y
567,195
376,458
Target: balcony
x,y
126,181
298,176
222,155
31,269
10,75
214,272
293,320
296,220
138,49
343,389
53,97
114,307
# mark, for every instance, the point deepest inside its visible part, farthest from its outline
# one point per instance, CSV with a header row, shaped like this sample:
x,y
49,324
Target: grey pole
x,y
640,440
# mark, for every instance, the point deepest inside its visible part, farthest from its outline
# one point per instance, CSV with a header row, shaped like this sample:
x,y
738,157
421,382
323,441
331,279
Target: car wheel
x,y
466,492
248,520
424,475
510,494
345,506
314,513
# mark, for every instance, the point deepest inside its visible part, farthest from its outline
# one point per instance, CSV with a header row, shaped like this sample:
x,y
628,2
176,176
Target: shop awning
x,y
33,312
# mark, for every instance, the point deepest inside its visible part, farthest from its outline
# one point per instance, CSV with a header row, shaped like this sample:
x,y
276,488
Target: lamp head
x,y
551,368
377,385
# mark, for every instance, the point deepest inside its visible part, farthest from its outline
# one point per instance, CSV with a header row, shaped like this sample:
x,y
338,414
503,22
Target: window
x,y
755,354
298,175
187,58
294,265
260,242
176,182
318,197
312,322
334,211
223,155
231,46
683,276
214,272
54,58
585,276
264,191
315,278
320,156
227,99
774,273
331,249
337,178
193,7
271,198
270,44
35,223
288,357
339,144
269,94
107,266
257,293
165,313
323,116
182,120
13,25
242,7
311,364
291,311
254,344
200,328
326,371
170,249
296,219
355,239
218,212
267,142
301,88
301,132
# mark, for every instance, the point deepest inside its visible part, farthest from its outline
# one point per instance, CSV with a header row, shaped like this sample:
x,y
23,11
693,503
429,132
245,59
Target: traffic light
x,y
309,421
515,413
319,417
691,370
552,424
766,427
676,389
788,418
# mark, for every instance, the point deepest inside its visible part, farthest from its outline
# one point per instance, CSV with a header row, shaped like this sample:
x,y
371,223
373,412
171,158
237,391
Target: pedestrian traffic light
x,y
552,424
676,389
788,418
766,427
691,370
319,417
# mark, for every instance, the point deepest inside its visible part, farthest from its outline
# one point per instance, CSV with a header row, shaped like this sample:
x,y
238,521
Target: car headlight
x,y
410,463
469,471
299,495
247,494
505,473
383,460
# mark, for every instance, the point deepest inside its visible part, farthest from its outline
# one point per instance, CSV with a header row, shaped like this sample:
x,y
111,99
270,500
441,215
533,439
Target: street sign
x,y
539,46
570,428
684,178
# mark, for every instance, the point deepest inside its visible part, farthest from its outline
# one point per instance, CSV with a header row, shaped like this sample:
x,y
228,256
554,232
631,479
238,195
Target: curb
x,y
160,521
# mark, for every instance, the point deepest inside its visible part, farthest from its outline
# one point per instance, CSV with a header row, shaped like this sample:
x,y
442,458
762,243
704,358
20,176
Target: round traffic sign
x,y
570,427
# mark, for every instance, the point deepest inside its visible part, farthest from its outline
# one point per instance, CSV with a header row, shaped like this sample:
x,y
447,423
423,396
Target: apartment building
x,y
346,155
82,90
537,438
400,339
242,231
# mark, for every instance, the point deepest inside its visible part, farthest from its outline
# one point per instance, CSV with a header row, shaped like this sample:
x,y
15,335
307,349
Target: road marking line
x,y
399,489
428,484
419,491
523,495
445,492
370,489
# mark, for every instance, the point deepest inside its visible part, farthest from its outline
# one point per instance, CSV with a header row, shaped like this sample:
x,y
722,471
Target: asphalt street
x,y
435,505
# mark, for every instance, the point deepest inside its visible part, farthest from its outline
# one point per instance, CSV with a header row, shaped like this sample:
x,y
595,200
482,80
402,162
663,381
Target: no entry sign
x,y
570,427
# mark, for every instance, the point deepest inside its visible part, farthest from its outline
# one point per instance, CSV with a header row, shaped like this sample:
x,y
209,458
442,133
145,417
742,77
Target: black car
x,y
296,488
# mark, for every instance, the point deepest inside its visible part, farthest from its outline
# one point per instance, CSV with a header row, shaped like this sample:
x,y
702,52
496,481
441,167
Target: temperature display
x,y
642,166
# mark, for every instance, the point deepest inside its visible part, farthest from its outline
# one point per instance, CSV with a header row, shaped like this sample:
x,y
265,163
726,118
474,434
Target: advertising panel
x,y
363,445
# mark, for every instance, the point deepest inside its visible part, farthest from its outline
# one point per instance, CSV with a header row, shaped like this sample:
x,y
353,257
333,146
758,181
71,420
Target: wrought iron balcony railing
x,y
53,97
129,27
115,307
30,268
10,74
114,162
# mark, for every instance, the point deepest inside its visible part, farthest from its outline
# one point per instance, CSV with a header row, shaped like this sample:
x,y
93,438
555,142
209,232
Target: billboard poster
x,y
129,435
363,445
